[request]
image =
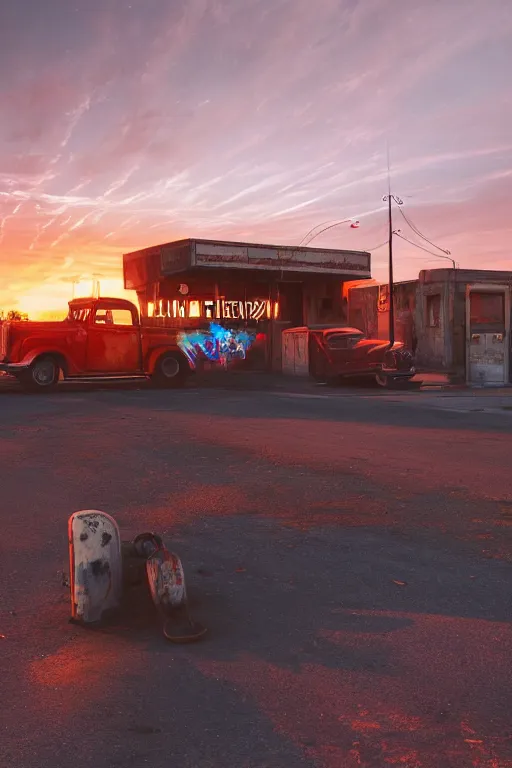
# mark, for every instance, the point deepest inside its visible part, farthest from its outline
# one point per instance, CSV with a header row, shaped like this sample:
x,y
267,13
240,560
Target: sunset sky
x,y
127,123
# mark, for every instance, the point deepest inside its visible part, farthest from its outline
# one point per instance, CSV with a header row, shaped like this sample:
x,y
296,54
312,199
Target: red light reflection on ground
x,y
200,501
79,672
420,459
399,464
422,707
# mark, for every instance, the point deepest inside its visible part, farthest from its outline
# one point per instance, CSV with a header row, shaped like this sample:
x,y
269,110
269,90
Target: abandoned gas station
x,y
189,284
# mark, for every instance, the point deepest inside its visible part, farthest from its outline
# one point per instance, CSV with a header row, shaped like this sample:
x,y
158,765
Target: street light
x,y
353,223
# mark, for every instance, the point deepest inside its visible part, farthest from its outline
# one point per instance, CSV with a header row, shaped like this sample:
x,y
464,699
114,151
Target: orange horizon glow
x,y
116,135
51,302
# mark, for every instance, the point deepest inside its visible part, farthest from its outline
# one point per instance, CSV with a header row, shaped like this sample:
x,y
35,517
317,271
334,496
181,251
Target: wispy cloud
x,y
263,117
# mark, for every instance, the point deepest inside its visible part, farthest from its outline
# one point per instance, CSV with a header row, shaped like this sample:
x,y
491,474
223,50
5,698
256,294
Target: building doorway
x,y
487,338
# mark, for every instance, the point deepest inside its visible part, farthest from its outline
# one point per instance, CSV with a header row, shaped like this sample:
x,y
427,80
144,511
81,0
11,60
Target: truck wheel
x,y
42,376
170,371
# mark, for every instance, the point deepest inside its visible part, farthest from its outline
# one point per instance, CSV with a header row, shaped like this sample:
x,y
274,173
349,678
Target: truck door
x,y
113,344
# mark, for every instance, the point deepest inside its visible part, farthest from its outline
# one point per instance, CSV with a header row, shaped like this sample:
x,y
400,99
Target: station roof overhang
x,y
150,265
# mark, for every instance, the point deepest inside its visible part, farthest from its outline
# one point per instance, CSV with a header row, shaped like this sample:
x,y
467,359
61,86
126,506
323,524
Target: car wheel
x,y
42,376
171,371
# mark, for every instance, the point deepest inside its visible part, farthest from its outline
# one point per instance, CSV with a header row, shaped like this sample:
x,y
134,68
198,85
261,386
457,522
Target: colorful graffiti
x,y
217,344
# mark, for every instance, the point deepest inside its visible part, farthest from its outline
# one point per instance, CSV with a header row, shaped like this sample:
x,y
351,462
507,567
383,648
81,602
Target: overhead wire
x,y
411,242
420,234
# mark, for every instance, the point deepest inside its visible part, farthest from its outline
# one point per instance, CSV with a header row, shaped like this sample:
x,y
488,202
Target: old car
x,y
342,353
100,338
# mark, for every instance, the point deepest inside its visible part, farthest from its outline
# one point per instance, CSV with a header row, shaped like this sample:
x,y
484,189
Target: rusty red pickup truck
x,y
100,338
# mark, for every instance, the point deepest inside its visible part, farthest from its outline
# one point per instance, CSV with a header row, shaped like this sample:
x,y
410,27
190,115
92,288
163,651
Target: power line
x,y
421,247
420,234
437,255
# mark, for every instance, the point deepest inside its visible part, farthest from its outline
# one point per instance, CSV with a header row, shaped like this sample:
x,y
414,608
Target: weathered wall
x,y
458,361
405,314
439,342
369,311
363,309
444,348
430,349
324,302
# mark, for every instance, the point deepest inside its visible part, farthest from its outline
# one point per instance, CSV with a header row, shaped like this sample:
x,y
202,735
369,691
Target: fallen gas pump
x,y
102,567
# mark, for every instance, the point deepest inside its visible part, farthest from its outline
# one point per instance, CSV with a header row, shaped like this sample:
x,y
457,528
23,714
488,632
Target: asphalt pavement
x,y
350,553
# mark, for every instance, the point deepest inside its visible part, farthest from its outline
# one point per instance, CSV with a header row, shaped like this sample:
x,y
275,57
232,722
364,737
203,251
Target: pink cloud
x,y
259,119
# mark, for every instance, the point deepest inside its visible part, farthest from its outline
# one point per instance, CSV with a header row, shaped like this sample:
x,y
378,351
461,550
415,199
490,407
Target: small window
x,y
122,317
80,315
342,341
433,311
487,308
113,317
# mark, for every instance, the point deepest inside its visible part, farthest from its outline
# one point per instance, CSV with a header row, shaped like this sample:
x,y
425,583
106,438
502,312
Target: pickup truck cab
x,y
100,338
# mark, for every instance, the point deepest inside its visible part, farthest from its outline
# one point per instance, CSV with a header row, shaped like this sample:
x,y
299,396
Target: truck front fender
x,y
33,354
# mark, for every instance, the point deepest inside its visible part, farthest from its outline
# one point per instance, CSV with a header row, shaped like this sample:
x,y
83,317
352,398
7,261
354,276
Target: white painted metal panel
x,y
288,353
487,359
295,351
301,354
95,564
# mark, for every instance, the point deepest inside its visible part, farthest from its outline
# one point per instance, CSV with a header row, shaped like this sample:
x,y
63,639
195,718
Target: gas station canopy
x,y
153,264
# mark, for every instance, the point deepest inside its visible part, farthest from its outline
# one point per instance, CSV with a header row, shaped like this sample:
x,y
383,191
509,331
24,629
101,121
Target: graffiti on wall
x,y
216,344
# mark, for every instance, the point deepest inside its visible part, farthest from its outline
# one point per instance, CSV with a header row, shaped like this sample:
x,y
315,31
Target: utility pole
x,y
391,281
389,198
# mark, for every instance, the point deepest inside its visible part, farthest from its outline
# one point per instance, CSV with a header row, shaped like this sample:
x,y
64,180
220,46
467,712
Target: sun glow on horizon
x,y
122,146
49,301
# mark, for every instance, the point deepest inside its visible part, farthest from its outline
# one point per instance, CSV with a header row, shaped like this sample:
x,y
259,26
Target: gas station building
x,y
191,283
